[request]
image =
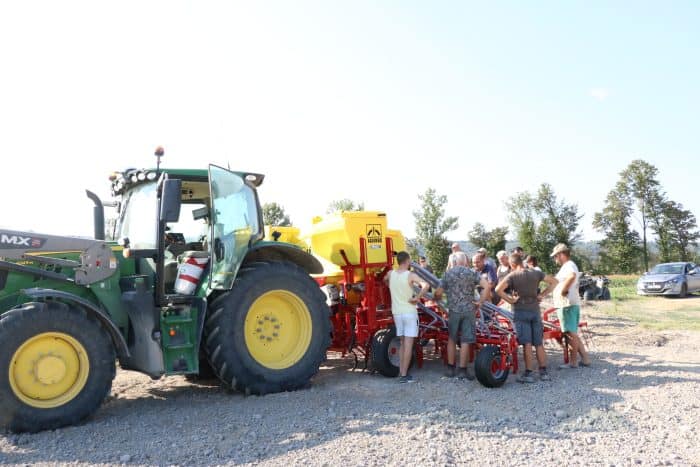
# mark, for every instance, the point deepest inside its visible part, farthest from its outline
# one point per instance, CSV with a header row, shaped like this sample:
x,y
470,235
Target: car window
x,y
667,269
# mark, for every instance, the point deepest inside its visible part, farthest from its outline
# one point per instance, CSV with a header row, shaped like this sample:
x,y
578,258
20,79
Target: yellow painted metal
x,y
49,370
398,241
286,234
343,230
277,329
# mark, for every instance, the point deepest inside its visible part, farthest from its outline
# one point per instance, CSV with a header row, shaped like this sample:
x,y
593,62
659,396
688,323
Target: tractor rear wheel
x,y
487,367
56,366
385,352
270,333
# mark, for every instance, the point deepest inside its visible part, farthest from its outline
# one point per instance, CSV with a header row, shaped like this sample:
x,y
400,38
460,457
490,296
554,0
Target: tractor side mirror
x,y
170,200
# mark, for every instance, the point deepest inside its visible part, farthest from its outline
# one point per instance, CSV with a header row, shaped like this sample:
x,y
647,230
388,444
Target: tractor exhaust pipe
x,y
98,215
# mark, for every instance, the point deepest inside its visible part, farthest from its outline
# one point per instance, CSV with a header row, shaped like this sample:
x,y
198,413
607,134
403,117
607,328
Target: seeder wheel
x,y
385,352
488,367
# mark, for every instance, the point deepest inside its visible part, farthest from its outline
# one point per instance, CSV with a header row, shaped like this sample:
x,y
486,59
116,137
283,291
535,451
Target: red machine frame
x,y
364,309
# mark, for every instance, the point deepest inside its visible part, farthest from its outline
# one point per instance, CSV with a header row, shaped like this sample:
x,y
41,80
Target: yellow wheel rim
x,y
49,370
278,329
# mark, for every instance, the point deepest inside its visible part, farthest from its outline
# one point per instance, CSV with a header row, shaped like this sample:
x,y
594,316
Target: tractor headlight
x,y
141,176
151,175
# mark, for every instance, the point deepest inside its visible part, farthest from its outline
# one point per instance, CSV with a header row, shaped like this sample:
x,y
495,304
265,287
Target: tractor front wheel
x,y
487,367
56,366
270,333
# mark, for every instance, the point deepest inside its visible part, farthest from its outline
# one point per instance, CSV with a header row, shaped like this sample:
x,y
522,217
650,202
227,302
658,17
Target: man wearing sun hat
x,y
568,304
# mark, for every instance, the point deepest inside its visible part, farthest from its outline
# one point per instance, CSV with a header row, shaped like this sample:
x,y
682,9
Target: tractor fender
x,y
117,337
280,251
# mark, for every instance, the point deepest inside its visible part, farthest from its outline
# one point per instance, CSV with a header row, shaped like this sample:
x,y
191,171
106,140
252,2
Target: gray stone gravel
x,y
637,405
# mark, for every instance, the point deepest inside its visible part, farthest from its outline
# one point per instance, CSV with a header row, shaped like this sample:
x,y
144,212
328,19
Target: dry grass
x,y
658,313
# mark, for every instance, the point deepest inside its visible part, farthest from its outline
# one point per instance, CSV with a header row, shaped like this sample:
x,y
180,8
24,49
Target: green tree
x,y
681,227
638,182
620,248
412,248
431,227
540,221
493,240
274,215
344,204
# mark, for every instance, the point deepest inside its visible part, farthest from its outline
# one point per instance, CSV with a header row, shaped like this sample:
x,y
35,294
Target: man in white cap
x,y
568,304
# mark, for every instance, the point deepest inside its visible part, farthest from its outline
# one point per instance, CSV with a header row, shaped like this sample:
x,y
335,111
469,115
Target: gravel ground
x,y
638,404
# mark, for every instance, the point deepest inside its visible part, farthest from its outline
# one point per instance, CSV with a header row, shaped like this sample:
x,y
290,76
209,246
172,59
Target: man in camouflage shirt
x,y
459,283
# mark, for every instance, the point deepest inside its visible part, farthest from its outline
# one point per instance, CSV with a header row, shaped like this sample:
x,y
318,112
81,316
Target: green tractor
x,y
70,307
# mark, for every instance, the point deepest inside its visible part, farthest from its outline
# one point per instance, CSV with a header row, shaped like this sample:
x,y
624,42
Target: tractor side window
x,y
234,223
192,230
139,217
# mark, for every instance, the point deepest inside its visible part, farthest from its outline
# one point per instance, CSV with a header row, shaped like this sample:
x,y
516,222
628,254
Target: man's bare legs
x,y
527,356
464,351
405,355
451,350
541,356
576,347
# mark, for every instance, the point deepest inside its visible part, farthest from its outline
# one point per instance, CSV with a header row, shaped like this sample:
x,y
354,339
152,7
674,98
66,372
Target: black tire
x,y
29,321
605,295
384,352
589,295
487,367
225,335
684,290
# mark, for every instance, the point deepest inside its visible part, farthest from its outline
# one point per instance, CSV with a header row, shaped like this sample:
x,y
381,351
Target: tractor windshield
x,y
138,220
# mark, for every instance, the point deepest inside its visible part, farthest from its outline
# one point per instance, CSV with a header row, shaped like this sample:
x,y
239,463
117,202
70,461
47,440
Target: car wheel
x,y
684,291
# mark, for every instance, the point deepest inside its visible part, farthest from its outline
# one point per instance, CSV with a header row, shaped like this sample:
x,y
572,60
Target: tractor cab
x,y
214,213
205,224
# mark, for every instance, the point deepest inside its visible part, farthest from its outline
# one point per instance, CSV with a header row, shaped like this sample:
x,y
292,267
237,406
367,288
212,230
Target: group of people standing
x,y
516,280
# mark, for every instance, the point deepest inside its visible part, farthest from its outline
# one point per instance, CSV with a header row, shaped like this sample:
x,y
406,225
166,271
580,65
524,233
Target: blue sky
x,y
374,101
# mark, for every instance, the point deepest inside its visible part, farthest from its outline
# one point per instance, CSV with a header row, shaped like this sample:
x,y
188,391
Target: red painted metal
x,y
365,308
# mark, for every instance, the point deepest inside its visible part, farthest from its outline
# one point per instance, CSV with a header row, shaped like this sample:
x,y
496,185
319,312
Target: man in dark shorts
x,y
525,299
459,282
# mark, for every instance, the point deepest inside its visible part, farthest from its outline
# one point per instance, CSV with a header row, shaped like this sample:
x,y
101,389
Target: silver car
x,y
678,279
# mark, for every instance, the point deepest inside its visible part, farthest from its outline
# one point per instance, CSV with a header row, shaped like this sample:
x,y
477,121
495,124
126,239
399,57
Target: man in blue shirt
x,y
485,269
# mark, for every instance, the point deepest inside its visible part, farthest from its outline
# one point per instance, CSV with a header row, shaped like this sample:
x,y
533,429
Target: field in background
x,y
658,313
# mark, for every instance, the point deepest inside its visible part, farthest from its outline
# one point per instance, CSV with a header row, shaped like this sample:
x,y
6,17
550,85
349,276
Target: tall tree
x,y
274,214
620,248
541,220
344,204
412,248
638,181
431,227
681,227
493,240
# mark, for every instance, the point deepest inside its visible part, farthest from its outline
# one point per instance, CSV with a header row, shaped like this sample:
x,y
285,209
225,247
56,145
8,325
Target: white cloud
x,y
600,94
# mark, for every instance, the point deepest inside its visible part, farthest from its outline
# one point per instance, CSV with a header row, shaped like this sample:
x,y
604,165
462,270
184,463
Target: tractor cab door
x,y
235,223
